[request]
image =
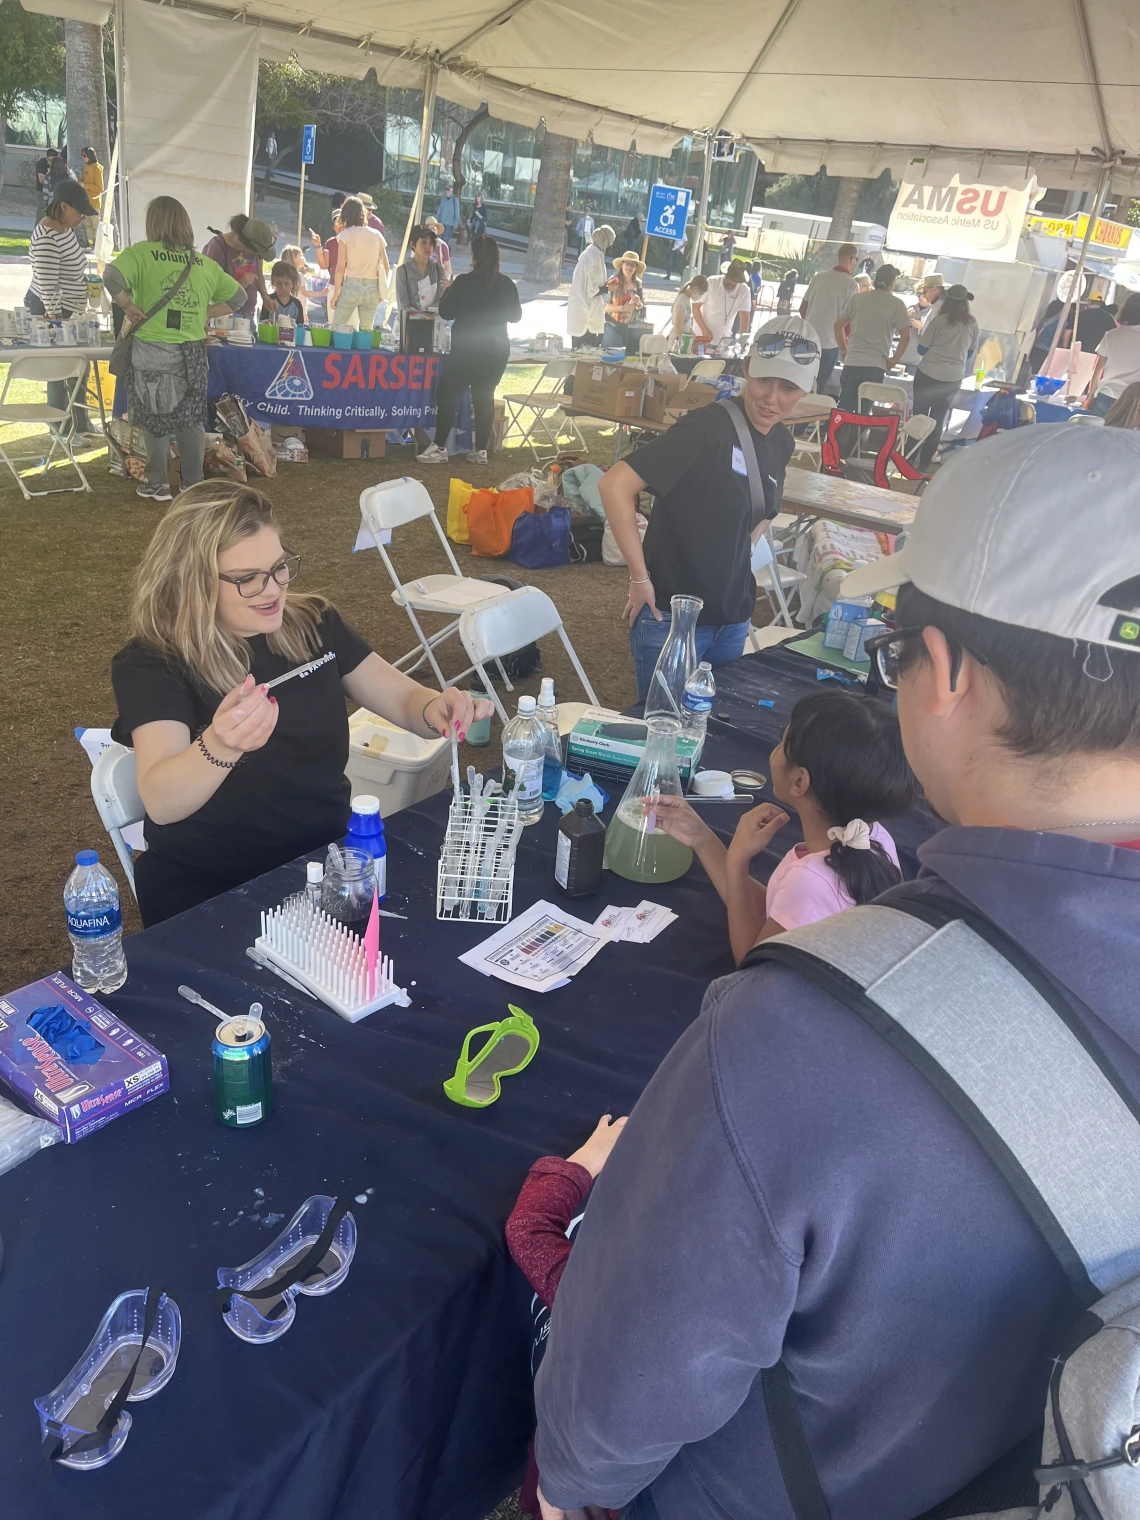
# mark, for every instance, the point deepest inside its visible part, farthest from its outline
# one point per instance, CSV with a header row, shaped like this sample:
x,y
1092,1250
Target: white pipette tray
x,y
328,959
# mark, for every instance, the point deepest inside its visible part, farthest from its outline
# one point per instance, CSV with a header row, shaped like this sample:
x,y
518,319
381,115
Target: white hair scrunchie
x,y
856,836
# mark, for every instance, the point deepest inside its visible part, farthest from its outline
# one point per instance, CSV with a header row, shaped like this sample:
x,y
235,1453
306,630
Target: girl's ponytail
x,y
860,862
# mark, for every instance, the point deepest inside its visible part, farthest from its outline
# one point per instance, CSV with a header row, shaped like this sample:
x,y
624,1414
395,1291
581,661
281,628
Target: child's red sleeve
x,y
554,1191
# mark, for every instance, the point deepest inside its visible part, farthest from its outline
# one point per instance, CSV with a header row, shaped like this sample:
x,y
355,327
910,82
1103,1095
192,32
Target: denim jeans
x,y
1101,405
641,1508
718,644
828,358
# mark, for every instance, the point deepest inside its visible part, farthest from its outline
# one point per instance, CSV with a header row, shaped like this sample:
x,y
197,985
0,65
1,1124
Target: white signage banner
x,y
966,221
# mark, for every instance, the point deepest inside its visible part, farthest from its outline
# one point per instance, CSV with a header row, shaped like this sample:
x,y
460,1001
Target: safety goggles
x,y
509,1046
312,1255
803,350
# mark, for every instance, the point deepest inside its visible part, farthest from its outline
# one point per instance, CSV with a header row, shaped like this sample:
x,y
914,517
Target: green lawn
x,y
13,243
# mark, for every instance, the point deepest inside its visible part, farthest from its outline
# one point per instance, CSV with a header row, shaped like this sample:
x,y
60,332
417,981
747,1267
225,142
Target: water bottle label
x,y
380,863
530,778
94,925
562,861
693,703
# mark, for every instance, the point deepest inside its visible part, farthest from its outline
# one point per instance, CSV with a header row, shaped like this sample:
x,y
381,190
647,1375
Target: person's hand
x,y
596,1151
547,1510
641,595
134,314
454,712
248,279
678,819
314,238
244,721
755,831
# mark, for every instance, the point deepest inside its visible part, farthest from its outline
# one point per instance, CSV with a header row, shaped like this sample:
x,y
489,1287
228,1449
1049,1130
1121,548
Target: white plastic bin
x,y
392,764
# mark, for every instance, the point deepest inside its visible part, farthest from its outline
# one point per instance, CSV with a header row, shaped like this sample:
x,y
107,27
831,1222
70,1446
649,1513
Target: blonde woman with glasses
x,y
237,779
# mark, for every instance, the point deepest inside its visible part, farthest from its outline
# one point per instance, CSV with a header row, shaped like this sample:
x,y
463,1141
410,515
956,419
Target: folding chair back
x,y
510,624
117,800
707,369
653,343
43,368
915,431
887,425
393,503
891,397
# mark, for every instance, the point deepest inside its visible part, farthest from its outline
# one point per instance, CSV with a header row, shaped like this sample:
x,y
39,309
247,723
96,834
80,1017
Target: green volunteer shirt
x,y
150,269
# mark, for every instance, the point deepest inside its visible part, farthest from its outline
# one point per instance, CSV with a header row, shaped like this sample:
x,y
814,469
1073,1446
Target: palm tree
x,y
86,94
548,222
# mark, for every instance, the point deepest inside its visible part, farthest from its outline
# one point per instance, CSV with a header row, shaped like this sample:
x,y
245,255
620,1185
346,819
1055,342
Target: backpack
x,y
1002,1044
541,540
491,518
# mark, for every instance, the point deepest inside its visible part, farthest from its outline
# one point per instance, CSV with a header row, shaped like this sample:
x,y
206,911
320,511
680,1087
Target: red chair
x,y
888,424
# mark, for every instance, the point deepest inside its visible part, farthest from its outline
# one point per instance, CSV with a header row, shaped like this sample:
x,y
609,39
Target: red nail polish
x,y
274,701
463,736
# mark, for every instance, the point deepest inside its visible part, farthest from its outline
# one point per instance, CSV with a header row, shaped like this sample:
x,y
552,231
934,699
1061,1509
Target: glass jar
x,y
676,662
346,892
635,847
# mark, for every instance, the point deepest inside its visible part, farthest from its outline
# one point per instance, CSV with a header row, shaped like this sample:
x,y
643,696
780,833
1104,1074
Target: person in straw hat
x,y
441,253
624,303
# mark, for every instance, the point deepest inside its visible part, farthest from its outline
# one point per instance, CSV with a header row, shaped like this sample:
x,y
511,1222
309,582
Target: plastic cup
x,y
480,731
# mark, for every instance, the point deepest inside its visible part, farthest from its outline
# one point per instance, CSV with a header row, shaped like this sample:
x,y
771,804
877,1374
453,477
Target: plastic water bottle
x,y
552,756
524,747
697,701
314,882
91,898
366,832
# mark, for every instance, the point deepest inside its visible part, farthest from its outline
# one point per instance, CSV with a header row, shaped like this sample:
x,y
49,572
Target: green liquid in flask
x,y
632,852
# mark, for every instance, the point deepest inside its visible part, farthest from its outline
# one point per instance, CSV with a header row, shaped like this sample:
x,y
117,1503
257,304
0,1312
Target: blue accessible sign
x,y
668,214
308,144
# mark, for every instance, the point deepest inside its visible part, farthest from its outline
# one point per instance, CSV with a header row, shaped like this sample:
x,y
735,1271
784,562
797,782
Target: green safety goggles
x,y
509,1046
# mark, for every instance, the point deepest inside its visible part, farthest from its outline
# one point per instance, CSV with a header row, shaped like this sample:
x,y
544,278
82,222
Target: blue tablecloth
x,y
406,1393
357,389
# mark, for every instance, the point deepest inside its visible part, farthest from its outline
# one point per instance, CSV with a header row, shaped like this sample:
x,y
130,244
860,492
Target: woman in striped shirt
x,y
59,274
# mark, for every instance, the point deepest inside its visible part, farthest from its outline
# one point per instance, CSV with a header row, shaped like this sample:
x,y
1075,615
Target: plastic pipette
x,y
196,997
298,670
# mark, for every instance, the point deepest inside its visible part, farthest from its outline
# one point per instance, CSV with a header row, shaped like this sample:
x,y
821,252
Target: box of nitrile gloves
x,y
618,742
72,1060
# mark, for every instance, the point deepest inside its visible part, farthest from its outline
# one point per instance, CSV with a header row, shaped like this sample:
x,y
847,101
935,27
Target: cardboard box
x,y
341,443
668,396
613,390
618,741
279,431
79,1095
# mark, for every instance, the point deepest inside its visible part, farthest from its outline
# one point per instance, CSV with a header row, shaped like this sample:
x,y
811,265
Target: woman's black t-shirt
x,y
288,797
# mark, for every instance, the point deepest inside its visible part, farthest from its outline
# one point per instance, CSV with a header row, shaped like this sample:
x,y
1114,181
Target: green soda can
x,y
243,1071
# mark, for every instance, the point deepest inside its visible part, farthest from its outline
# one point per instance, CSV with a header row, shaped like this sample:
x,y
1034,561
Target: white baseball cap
x,y
787,348
1038,527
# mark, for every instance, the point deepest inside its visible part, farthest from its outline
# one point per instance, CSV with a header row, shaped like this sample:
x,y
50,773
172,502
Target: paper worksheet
x,y
539,950
466,593
638,925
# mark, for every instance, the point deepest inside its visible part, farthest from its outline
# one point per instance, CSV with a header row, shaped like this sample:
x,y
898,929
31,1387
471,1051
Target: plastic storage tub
x,y
320,337
392,764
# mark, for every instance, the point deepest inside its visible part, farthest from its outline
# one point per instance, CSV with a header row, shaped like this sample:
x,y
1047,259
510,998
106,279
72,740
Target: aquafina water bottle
x,y
95,925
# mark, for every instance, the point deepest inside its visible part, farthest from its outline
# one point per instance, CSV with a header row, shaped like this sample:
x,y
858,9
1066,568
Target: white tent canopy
x,y
998,91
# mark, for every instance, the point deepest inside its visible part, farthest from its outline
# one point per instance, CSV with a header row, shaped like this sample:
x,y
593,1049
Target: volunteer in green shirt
x,y
166,379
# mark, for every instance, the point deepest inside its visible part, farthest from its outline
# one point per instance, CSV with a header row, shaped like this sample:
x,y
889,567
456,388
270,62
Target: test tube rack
x,y
327,958
476,874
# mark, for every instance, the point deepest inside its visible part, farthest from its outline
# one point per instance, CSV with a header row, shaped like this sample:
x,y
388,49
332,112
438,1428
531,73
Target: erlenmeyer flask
x,y
635,847
676,662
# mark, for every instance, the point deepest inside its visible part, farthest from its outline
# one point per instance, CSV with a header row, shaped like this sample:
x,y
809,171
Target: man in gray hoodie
x,y
789,1187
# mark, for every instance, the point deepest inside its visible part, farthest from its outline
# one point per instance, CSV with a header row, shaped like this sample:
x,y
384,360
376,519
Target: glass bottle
x,y
635,847
676,662
346,892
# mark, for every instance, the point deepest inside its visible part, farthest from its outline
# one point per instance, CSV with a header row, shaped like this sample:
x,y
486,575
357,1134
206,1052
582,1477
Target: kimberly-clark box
x,y
839,619
607,737
96,1067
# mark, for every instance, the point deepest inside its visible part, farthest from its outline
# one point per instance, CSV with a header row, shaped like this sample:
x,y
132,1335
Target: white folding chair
x,y
807,420
884,398
773,578
504,626
707,369
117,801
42,368
651,344
391,505
544,401
913,434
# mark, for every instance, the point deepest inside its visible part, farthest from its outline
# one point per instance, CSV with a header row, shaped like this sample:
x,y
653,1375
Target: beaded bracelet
x,y
225,765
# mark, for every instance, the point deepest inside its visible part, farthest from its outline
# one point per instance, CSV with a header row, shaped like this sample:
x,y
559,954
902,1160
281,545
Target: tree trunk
x,y
481,115
548,222
3,146
843,213
86,95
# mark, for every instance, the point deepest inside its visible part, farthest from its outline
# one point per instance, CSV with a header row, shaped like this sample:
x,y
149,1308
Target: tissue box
x,y
840,618
857,636
609,739
77,1096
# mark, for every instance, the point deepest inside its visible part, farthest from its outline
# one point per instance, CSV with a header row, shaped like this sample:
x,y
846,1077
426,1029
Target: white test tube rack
x,y
476,873
327,958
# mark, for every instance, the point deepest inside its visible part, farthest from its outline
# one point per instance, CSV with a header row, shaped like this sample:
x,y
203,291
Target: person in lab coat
x,y
586,308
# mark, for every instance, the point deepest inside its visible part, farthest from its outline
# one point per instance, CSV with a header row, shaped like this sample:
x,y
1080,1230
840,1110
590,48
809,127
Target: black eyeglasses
x,y
256,581
885,650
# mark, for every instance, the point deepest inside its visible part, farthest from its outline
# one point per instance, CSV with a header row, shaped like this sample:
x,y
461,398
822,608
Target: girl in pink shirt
x,y
840,765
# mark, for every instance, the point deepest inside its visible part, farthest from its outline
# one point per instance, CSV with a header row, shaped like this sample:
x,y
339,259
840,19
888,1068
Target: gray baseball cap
x,y
1038,527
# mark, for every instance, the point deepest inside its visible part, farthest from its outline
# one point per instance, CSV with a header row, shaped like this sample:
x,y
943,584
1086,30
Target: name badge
x,y
738,465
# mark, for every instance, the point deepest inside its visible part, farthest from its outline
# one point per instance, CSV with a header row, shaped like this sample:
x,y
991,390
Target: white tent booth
x,y
997,94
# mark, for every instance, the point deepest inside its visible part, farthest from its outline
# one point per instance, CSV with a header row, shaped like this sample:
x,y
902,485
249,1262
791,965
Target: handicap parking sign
x,y
668,214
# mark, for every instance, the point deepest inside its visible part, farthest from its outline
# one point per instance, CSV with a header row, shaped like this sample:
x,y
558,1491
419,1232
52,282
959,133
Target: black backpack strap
x,y
792,1451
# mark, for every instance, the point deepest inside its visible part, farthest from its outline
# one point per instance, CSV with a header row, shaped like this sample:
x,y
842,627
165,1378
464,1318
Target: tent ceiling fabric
x,y
985,88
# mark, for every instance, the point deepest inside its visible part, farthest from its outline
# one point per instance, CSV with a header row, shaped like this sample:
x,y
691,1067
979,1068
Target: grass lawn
x,y
69,559
13,243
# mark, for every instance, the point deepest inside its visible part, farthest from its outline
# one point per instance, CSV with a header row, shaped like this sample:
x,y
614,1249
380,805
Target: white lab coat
x,y
586,310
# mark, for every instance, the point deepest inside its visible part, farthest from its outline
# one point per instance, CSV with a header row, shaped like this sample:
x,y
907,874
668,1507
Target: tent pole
x,y
431,79
698,264
1078,273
